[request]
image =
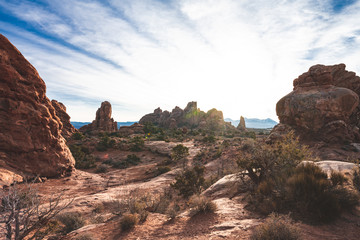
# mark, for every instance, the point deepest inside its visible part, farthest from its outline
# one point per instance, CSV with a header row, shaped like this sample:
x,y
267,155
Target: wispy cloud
x,y
237,56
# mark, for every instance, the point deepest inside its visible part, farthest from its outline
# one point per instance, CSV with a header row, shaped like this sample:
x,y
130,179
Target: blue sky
x,y
239,56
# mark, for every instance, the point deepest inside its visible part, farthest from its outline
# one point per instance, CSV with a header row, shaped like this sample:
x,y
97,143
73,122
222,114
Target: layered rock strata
x,y
190,117
103,121
323,106
30,131
67,129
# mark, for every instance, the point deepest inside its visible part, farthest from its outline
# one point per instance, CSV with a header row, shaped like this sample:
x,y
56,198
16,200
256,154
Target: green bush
x,y
312,194
209,139
132,159
105,143
128,221
179,152
78,136
137,144
250,134
190,182
162,170
71,221
102,169
260,161
83,160
276,228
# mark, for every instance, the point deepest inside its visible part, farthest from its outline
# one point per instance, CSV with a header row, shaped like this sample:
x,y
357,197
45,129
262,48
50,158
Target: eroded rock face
x,y
30,131
324,105
190,117
67,129
136,128
241,125
103,121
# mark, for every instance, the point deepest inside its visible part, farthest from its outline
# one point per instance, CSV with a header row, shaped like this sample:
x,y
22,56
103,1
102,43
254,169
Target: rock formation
x,y
324,106
190,117
30,131
67,128
241,125
133,129
103,121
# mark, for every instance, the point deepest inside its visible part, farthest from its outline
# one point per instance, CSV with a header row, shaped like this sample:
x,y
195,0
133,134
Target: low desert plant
x,y
105,143
23,213
101,169
83,158
128,221
261,161
162,170
78,136
179,152
337,178
312,194
356,176
85,236
71,221
190,181
276,228
201,204
136,144
99,208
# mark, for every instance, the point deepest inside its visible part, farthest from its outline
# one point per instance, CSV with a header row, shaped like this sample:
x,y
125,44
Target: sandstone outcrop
x,y
67,129
241,125
30,131
190,117
324,106
136,128
103,121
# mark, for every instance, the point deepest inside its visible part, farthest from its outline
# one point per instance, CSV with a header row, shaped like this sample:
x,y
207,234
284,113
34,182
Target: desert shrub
x,y
78,136
337,178
128,221
83,160
137,206
276,228
190,181
132,159
162,170
101,169
71,221
356,178
313,195
25,215
108,161
136,144
179,152
250,134
98,208
85,236
149,127
105,143
263,161
201,204
209,139
114,206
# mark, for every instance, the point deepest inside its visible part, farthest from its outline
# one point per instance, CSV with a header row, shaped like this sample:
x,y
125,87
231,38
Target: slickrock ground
x,y
231,220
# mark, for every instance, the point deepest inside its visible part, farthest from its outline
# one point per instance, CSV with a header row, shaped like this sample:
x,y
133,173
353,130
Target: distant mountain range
x,y
78,125
249,122
254,122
